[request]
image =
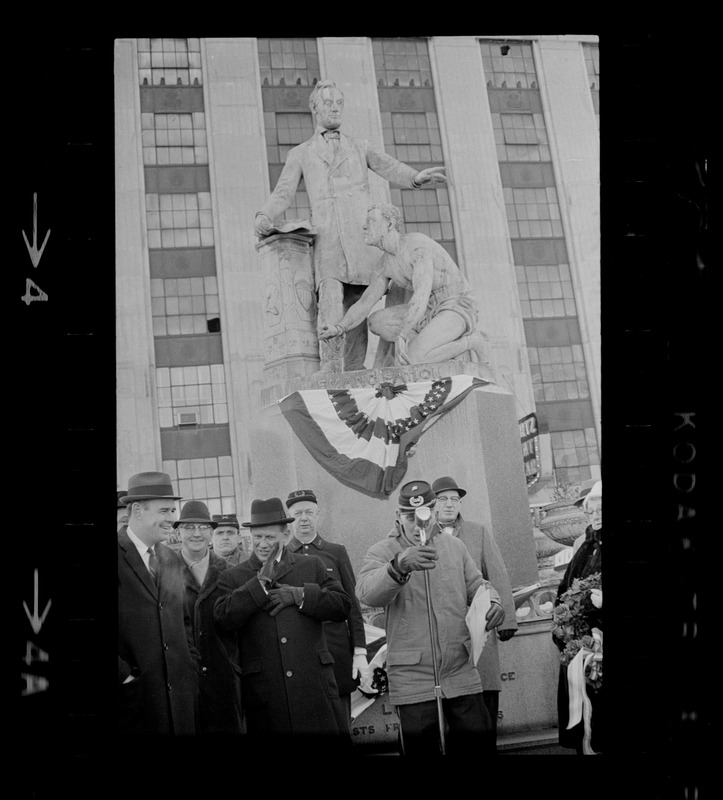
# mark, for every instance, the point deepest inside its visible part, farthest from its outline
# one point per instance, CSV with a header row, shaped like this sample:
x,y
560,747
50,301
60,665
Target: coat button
x,y
283,640
289,673
165,645
168,685
204,670
160,606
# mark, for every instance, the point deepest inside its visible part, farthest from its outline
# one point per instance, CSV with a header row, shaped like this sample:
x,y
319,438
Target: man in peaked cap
x,y
275,604
227,539
346,639
219,709
392,576
157,660
486,555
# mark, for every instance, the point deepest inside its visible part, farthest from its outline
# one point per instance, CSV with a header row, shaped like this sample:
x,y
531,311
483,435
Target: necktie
x,y
153,565
332,139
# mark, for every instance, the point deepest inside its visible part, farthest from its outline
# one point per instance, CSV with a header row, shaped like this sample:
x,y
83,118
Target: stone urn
x,y
562,522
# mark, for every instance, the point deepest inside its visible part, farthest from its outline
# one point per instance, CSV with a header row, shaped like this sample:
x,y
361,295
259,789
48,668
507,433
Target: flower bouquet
x,y
573,625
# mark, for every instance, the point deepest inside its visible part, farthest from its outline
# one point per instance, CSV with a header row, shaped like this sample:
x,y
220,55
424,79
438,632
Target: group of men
x,y
275,645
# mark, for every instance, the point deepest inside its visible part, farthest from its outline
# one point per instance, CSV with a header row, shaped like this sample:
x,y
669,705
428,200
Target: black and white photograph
x,y
332,309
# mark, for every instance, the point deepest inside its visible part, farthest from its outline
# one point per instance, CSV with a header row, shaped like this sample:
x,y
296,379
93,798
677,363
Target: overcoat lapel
x,y
285,565
135,562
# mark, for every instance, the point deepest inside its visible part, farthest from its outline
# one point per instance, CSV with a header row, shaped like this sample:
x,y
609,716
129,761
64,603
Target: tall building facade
x,y
203,127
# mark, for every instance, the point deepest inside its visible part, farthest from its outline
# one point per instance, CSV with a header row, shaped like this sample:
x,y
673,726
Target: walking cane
x,y
422,515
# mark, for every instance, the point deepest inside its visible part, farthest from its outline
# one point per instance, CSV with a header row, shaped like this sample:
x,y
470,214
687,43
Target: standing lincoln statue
x,y
335,167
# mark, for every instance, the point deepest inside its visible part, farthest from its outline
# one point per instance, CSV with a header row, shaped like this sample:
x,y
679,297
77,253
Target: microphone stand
x,y
437,685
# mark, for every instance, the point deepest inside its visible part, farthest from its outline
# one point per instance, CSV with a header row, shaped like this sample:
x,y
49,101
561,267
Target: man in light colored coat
x,y
486,555
392,576
335,169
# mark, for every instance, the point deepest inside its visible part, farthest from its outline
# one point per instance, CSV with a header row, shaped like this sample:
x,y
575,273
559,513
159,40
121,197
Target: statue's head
x,y
327,104
381,219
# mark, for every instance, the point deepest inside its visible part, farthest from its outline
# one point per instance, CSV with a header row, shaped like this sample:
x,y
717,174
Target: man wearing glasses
x,y
219,708
487,557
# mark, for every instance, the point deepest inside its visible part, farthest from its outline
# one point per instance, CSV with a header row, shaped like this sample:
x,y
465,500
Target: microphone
x,y
421,518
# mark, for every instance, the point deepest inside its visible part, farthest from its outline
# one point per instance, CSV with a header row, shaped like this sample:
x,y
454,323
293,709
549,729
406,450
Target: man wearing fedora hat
x,y
275,603
346,640
393,576
227,539
157,660
121,513
219,708
487,557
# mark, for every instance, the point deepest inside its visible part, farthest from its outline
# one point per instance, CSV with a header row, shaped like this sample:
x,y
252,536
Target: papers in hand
x,y
476,620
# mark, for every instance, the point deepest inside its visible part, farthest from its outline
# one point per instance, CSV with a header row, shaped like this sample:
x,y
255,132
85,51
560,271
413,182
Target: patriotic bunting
x,y
361,435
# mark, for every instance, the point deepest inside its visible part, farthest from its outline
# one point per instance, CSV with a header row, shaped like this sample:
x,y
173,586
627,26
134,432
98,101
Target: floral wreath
x,y
571,624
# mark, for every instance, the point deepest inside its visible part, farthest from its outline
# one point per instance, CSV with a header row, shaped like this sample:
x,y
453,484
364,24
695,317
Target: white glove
x,y
360,668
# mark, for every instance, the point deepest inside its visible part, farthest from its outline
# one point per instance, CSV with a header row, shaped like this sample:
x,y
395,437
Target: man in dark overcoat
x,y
157,661
219,709
346,640
276,603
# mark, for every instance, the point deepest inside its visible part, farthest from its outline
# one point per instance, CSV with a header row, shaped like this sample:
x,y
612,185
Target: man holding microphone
x,y
426,582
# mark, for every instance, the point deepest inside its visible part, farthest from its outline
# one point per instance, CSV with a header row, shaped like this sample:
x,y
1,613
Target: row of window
x,y
206,479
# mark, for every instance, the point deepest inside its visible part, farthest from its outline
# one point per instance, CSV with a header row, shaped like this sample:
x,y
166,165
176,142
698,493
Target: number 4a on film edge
x,y
29,296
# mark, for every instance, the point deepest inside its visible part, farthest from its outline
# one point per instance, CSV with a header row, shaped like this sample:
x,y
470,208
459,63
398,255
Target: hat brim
x,y
137,498
460,492
285,521
196,521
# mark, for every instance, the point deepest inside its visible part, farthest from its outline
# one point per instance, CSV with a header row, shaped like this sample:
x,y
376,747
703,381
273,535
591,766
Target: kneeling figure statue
x,y
440,320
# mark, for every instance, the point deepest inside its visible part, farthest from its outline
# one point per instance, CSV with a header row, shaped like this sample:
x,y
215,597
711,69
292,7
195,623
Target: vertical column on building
x,y
574,139
138,438
348,61
239,186
479,217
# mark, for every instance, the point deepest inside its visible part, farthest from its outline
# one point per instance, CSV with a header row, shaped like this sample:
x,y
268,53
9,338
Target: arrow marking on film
x,y
36,621
35,254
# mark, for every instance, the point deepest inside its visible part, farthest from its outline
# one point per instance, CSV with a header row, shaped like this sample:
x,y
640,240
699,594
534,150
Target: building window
x,y
533,213
575,456
546,291
288,62
413,136
558,373
174,139
184,305
179,220
520,137
207,479
287,119
514,70
402,62
199,390
169,62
